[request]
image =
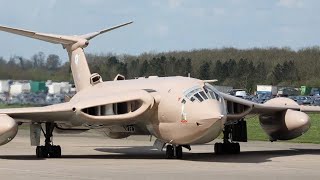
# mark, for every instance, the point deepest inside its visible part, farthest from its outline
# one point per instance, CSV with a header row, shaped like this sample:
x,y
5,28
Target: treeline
x,y
39,67
232,67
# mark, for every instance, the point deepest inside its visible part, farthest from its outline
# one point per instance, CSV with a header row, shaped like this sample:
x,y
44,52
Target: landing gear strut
x,y
48,150
234,132
174,152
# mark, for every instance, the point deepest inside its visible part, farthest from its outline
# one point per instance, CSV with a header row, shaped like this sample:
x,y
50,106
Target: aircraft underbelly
x,y
212,133
188,133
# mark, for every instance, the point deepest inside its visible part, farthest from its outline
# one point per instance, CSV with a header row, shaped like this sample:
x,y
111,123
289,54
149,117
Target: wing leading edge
x,y
114,109
274,105
58,112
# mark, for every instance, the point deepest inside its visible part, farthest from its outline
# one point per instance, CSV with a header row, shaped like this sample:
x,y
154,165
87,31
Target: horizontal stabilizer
x,y
75,47
56,39
94,34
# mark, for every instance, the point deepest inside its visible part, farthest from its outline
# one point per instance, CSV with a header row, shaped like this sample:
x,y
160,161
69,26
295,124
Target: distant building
x,y
59,87
267,90
37,87
19,87
4,86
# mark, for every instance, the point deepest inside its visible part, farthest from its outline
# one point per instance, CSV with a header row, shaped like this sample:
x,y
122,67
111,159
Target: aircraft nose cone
x,y
200,122
211,120
210,110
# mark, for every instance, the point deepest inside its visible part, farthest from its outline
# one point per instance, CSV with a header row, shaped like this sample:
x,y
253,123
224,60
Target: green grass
x,y
255,131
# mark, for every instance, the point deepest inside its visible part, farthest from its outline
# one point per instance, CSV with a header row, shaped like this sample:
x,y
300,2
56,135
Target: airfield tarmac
x,y
95,157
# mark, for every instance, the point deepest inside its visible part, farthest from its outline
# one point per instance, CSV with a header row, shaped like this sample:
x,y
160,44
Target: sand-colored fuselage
x,y
173,118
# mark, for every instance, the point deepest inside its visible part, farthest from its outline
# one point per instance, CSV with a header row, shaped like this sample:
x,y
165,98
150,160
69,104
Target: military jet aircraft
x,y
178,111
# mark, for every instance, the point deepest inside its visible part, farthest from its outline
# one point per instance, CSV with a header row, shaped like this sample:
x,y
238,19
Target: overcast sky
x,y
162,25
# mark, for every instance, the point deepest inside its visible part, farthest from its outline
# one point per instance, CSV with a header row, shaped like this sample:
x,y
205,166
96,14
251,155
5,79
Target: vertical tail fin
x,y
80,69
74,45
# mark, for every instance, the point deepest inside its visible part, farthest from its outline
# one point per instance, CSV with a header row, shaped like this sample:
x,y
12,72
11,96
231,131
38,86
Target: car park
x,y
304,100
3,97
316,102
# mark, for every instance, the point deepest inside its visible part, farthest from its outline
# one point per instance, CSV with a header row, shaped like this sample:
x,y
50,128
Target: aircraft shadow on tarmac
x,y
243,157
145,152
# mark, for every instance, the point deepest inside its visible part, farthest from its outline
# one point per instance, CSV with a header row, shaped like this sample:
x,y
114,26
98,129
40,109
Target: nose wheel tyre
x,y
56,152
179,152
41,152
169,152
218,148
174,152
227,148
235,148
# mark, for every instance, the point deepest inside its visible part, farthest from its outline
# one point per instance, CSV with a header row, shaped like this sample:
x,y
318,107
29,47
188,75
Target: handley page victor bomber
x,y
178,111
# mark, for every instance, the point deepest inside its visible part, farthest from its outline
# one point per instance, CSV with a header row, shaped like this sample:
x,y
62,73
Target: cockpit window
x,y
202,94
195,93
198,97
211,91
217,96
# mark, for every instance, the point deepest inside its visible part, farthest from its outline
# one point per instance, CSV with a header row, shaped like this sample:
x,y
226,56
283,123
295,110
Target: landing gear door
x,y
35,132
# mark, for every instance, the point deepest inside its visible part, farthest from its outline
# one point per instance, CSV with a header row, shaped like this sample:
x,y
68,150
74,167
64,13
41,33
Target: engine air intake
x,y
113,109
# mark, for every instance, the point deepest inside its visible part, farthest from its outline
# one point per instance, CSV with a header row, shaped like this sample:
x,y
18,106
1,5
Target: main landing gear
x,y
175,151
48,150
234,132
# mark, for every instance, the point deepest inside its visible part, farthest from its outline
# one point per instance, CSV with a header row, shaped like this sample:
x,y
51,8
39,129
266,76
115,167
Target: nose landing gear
x,y
227,148
234,132
174,152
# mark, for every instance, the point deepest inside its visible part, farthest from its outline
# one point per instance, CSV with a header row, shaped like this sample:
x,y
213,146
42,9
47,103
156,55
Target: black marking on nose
x,y
198,124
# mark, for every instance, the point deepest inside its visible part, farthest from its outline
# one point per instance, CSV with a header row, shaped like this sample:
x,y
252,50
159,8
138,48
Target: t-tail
x,y
74,45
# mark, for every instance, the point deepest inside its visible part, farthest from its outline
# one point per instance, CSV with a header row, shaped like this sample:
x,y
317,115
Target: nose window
x,y
203,95
196,94
198,97
211,92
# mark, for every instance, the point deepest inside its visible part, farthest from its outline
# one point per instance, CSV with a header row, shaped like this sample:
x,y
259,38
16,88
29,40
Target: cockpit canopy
x,y
199,94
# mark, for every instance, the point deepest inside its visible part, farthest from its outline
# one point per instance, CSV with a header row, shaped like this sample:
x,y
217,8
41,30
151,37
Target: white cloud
x,y
290,3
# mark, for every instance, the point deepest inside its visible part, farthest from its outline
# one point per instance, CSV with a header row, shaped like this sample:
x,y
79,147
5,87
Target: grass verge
x,y
255,131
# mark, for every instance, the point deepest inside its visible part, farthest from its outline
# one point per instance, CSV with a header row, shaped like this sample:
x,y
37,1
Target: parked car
x,y
262,98
234,91
3,97
316,102
293,98
14,100
304,100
